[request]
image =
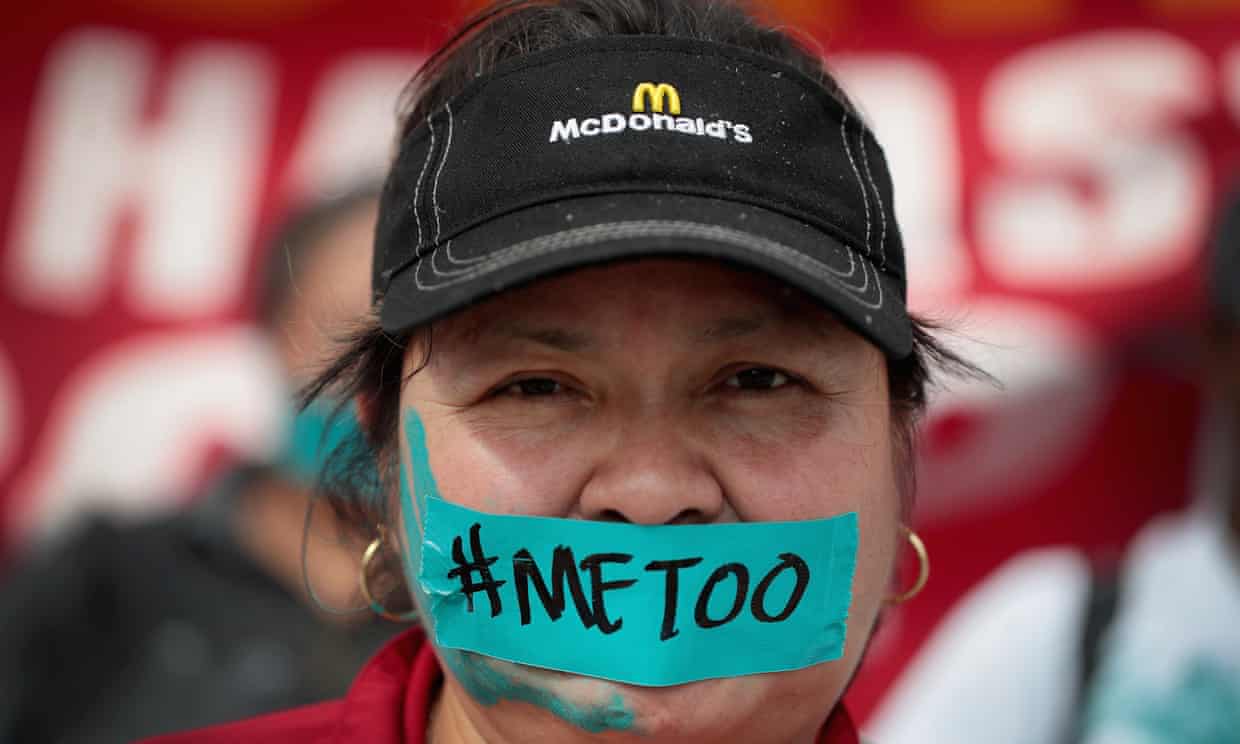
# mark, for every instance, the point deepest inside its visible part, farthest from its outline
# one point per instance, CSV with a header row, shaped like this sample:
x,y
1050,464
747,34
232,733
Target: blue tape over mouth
x,y
645,605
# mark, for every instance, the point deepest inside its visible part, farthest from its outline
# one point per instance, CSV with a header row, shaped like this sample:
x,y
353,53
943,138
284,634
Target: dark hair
x,y
371,368
294,241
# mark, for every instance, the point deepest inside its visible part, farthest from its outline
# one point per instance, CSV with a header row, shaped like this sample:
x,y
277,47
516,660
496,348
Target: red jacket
x,y
388,703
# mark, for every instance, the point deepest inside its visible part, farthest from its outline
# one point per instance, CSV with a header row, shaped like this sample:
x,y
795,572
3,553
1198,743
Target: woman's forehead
x,y
702,299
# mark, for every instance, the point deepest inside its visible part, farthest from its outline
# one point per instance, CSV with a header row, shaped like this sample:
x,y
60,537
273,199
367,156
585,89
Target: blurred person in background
x,y
121,631
1054,647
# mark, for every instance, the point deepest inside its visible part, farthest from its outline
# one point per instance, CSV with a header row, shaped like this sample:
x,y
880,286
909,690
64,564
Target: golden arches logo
x,y
656,94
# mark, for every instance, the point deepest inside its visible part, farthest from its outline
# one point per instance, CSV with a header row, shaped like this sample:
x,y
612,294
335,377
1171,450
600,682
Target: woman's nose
x,y
650,475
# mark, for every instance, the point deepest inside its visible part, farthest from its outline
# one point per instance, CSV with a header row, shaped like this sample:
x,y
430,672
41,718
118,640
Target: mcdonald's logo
x,y
656,93
663,103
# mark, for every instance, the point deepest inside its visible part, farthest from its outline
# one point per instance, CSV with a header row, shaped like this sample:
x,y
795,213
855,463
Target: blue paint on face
x,y
423,478
413,493
489,686
412,533
481,681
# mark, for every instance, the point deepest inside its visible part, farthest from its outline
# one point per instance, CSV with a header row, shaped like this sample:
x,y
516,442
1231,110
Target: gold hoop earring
x,y
923,571
364,581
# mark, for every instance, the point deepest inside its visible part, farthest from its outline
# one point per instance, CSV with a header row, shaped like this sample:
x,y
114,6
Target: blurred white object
x,y
1001,667
983,445
1005,665
131,430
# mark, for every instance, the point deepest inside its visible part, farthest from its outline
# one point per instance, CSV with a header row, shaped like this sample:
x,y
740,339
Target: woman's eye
x,y
533,387
757,378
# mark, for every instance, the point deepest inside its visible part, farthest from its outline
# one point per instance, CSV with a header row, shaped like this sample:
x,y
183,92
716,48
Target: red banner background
x,y
1056,163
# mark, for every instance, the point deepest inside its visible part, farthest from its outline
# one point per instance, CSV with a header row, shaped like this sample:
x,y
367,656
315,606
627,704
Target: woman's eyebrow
x,y
560,339
795,316
728,328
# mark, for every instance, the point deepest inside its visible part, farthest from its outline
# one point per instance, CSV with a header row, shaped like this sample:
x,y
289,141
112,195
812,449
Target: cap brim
x,y
539,241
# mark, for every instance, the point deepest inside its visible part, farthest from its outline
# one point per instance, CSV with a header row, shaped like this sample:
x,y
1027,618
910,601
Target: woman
x,y
642,388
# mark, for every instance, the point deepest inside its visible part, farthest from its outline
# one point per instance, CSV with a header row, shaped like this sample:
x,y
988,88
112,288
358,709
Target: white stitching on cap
x,y
636,228
448,251
461,266
548,244
878,198
418,186
465,267
439,171
460,261
435,199
865,199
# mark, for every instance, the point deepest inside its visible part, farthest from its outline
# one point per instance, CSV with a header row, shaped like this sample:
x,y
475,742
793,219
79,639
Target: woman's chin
x,y
695,710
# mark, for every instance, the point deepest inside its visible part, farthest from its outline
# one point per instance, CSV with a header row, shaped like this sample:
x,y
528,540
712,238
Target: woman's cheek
x,y
485,462
796,481
770,421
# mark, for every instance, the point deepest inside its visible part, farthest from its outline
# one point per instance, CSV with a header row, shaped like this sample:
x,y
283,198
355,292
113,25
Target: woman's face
x,y
659,392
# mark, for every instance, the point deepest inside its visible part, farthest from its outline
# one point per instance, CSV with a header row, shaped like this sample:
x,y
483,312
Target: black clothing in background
x,y
124,631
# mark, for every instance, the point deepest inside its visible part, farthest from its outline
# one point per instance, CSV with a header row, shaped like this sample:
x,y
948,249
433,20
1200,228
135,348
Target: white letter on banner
x,y
1100,188
347,138
131,427
979,438
910,105
193,175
